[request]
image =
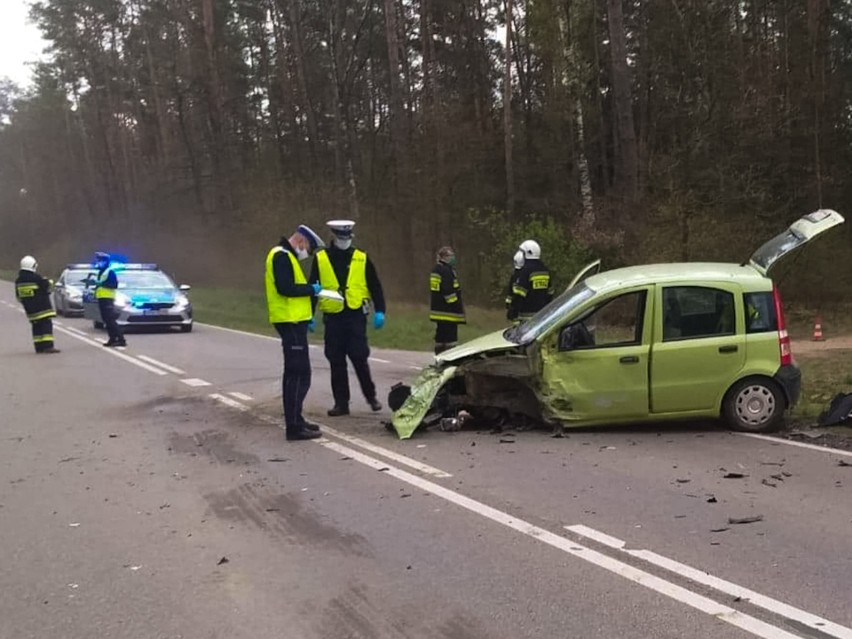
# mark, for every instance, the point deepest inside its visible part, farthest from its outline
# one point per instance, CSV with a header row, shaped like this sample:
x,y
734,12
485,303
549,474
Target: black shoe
x,y
303,434
375,405
306,425
51,350
338,411
109,344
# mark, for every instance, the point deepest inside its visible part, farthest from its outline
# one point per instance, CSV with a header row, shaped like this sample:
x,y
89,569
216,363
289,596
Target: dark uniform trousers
x,y
297,372
346,336
107,308
446,336
42,334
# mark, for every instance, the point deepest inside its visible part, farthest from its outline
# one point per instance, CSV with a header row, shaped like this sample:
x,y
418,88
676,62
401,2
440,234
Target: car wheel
x,y
754,405
186,328
98,325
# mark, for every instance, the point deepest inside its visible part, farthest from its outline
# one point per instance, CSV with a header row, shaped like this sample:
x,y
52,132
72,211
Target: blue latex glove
x,y
317,288
378,320
312,325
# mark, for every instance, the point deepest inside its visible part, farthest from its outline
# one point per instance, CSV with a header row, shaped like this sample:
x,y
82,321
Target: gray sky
x,y
19,41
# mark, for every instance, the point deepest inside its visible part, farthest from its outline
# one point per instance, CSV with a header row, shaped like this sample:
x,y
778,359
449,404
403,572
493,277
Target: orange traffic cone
x,y
817,330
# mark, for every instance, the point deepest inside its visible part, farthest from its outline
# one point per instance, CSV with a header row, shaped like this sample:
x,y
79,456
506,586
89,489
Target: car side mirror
x,y
185,287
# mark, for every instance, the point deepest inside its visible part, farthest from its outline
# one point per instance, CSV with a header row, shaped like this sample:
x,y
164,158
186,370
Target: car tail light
x,y
783,337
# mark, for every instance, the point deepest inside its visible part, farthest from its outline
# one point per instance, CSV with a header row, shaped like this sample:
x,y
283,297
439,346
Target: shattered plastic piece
x,y
449,424
75,525
718,530
506,441
844,463
745,520
734,476
712,500
223,560
766,482
277,459
683,481
384,469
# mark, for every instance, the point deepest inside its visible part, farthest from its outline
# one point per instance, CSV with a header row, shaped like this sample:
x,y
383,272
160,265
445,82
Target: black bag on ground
x,y
839,411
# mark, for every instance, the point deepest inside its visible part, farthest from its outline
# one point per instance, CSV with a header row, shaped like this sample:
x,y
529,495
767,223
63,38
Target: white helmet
x,y
518,259
28,263
531,249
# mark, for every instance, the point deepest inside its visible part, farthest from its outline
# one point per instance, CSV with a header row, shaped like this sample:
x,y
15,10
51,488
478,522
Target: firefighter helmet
x,y
531,249
28,263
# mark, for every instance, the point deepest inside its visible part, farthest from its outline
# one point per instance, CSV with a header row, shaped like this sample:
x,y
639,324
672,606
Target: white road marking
x,y
755,598
417,368
719,611
389,454
242,396
238,332
166,367
788,442
229,402
113,352
380,361
77,331
195,382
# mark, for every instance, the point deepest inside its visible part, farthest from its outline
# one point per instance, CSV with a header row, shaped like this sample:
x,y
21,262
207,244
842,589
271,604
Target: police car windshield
x,y
143,279
550,315
79,278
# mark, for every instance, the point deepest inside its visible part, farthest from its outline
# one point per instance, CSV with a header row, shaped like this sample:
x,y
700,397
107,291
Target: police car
x,y
146,297
69,288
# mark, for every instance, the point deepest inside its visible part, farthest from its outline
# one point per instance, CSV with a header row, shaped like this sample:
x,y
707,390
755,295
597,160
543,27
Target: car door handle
x,y
732,348
629,359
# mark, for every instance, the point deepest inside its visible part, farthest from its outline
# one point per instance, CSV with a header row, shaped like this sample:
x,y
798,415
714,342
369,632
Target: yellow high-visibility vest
x,y
101,292
282,308
356,283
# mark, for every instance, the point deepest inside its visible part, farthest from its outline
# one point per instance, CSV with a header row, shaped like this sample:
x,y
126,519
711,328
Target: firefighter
x,y
288,298
349,271
33,292
106,286
446,308
531,285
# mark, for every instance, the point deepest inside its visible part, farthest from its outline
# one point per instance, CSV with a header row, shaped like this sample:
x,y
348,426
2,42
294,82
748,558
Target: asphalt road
x,y
150,493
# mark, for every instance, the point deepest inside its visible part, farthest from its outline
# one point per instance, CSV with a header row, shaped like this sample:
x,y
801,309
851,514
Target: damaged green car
x,y
639,344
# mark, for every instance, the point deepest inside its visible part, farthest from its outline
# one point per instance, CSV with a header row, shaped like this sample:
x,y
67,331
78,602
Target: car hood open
x,y
485,344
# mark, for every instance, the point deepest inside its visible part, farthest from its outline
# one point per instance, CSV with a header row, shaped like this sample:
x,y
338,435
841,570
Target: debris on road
x,y
718,530
844,463
712,500
277,459
683,481
766,482
74,525
734,476
745,520
223,560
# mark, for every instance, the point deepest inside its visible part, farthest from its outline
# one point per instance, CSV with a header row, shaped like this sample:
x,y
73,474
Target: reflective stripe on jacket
x,y
33,292
446,296
356,291
284,309
104,290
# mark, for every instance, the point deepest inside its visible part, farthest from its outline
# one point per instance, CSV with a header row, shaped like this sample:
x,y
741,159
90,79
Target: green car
x,y
639,344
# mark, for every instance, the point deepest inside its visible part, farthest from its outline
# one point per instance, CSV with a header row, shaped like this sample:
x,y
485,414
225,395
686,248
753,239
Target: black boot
x,y
338,411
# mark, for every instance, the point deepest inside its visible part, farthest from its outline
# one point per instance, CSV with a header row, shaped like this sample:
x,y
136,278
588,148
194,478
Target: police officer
x,y
530,288
33,292
350,272
288,298
446,308
106,286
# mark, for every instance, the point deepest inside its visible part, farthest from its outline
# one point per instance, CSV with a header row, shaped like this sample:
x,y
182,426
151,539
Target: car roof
x,y
679,272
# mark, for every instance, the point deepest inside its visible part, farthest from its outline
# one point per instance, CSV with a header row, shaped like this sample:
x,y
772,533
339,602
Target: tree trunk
x,y
507,112
397,119
627,161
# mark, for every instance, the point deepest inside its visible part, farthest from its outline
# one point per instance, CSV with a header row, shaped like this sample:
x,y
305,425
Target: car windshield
x,y
550,315
143,279
78,278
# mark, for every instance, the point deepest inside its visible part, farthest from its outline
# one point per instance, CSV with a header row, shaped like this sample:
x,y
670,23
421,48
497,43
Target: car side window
x,y
691,312
760,313
617,323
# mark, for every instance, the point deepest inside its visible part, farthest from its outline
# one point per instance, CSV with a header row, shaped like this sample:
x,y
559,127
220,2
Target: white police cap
x,y
314,239
341,228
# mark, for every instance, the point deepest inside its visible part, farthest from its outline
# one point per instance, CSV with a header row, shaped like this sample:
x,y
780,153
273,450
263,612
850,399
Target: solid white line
x,y
699,576
77,331
238,332
723,613
194,381
389,454
155,362
113,352
229,402
242,396
788,442
380,361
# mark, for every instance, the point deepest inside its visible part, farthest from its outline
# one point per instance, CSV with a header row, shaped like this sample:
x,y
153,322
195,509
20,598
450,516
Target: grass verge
x,y
407,326
824,375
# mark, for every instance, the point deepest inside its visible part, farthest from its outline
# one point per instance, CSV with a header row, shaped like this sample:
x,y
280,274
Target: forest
x,y
196,132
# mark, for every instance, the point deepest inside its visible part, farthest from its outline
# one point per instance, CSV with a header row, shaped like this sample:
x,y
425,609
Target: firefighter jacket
x,y
33,292
447,305
530,290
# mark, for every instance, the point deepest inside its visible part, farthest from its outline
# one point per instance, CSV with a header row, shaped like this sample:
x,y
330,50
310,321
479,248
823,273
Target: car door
x,y
59,294
699,346
595,369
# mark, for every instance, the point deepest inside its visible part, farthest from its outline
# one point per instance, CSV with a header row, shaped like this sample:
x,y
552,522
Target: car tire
x,y
186,328
98,325
754,405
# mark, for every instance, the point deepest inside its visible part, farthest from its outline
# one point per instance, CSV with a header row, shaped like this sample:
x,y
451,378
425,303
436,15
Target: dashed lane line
x,y
241,396
114,352
804,618
162,365
195,382
668,589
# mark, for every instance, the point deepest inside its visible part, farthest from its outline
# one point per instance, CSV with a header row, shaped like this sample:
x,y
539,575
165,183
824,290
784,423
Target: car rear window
x,y
760,313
